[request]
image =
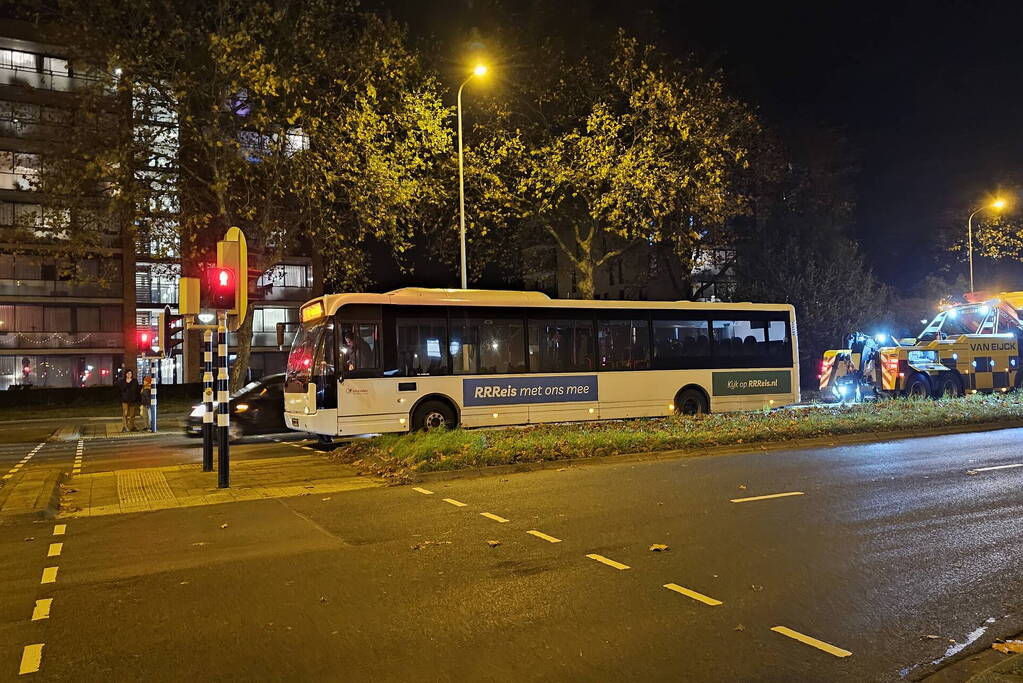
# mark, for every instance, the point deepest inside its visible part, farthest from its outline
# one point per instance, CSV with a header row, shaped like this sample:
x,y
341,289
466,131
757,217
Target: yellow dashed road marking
x,y
42,609
59,529
8,476
540,534
772,495
31,658
55,549
692,594
493,517
812,642
49,575
609,562
454,502
423,491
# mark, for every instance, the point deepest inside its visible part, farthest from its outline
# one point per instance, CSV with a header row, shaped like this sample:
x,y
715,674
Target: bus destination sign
x,y
746,383
500,391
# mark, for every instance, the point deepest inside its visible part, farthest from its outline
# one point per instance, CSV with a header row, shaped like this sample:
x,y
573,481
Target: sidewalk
x,y
161,488
110,428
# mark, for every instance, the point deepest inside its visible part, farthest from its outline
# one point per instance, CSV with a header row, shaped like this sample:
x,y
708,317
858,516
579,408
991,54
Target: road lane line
x,y
608,561
42,609
49,575
772,495
692,594
996,467
7,476
496,518
59,529
55,549
811,641
540,534
426,492
31,658
454,502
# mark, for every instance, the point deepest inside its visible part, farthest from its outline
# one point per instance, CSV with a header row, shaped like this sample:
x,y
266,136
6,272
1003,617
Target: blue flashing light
x,y
880,337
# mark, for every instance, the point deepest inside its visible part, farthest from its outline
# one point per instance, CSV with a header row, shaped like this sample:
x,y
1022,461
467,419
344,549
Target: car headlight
x,y
241,407
198,411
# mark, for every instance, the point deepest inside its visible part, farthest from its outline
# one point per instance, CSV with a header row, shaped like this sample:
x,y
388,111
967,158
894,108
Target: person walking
x,y
131,395
144,407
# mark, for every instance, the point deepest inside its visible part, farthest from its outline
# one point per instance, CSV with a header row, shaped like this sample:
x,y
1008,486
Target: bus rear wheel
x,y
691,402
433,415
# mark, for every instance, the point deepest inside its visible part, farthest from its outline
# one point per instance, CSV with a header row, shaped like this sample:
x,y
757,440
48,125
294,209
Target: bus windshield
x,y
303,356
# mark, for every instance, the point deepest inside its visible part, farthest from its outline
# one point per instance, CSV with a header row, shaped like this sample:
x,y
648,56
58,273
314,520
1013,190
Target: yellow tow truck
x,y
968,348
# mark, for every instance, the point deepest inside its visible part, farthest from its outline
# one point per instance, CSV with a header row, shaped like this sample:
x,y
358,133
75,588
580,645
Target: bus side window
x,y
360,349
624,344
422,344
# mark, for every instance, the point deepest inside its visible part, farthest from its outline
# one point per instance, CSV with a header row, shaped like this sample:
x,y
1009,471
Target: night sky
x,y
927,93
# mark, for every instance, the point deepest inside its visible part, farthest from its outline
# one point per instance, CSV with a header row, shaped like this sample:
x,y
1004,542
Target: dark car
x,y
256,408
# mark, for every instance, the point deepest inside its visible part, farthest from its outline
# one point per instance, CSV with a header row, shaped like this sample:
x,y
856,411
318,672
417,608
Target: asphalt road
x,y
886,545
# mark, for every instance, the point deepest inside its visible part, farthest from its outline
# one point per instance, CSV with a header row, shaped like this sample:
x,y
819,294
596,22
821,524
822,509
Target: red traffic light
x,y
220,291
144,338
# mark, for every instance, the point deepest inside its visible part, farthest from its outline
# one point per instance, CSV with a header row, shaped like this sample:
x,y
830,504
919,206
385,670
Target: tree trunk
x,y
242,351
585,285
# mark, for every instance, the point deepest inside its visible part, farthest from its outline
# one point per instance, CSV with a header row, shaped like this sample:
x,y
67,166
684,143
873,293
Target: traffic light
x,y
220,291
171,331
148,345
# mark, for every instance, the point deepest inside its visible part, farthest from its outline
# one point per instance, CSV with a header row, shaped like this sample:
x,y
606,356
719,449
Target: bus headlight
x,y
241,407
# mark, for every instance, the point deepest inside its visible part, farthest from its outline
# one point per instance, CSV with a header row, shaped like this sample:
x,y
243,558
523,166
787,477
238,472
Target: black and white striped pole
x,y
223,416
207,397
152,396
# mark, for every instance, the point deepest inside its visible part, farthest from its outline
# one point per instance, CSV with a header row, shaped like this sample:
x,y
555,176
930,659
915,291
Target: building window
x,y
287,275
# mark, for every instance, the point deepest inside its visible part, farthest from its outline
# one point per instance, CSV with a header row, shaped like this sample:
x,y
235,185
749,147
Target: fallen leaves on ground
x,y
493,544
223,526
1009,647
424,544
658,547
740,627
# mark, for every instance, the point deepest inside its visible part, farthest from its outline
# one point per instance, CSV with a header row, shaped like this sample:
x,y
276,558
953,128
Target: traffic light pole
x,y
223,416
152,394
207,397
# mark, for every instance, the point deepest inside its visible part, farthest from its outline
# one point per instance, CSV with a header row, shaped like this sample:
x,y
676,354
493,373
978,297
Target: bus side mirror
x,y
280,336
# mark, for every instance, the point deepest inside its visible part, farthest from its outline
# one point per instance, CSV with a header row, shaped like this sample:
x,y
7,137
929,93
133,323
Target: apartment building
x,y
61,330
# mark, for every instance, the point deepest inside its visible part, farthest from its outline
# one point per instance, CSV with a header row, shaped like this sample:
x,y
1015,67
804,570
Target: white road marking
x,y
996,467
811,641
55,549
31,658
59,529
767,497
455,502
608,561
540,534
49,575
496,518
42,609
423,491
689,593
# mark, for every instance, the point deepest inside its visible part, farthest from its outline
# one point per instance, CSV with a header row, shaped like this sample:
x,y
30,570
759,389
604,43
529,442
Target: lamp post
x,y
996,205
478,70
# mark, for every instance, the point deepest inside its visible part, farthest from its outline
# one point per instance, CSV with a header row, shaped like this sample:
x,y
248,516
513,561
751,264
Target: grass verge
x,y
403,455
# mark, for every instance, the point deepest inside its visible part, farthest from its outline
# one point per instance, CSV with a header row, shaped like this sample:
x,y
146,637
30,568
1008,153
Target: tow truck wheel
x,y
947,386
917,387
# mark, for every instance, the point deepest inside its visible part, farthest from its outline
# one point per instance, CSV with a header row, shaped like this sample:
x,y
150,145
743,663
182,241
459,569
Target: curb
x,y
728,449
53,503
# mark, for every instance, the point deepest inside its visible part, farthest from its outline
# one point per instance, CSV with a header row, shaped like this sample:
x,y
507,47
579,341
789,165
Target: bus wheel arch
x,y
427,409
692,399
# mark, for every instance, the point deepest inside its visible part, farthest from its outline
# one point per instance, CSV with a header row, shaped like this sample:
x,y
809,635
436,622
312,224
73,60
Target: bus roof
x,y
425,296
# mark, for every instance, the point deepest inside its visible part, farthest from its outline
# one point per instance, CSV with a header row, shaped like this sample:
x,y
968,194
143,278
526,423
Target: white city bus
x,y
420,358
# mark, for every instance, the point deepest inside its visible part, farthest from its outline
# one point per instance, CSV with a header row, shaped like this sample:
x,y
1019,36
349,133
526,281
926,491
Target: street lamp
x,y
479,70
996,205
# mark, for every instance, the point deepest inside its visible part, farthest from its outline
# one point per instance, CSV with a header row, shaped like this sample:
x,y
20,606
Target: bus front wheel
x,y
433,415
691,402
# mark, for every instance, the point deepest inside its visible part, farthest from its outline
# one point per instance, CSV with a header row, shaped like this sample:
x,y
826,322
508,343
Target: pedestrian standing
x,y
144,407
131,395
